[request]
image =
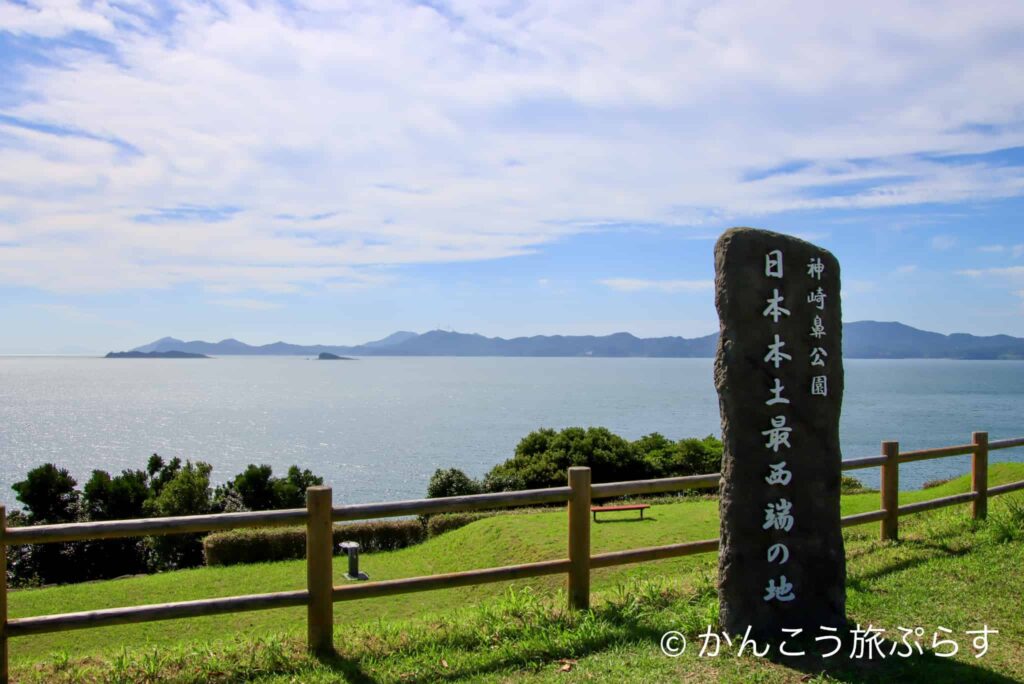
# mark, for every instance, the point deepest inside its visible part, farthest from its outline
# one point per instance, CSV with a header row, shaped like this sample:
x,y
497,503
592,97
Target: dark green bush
x,y
258,490
451,482
164,488
543,457
439,524
851,485
49,495
187,492
289,543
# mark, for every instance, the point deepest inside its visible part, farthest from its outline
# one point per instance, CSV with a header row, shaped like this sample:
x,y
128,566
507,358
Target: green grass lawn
x,y
947,570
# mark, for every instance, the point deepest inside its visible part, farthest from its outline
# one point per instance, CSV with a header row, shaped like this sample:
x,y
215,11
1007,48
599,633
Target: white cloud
x,y
943,242
637,285
1008,273
327,140
1016,250
906,269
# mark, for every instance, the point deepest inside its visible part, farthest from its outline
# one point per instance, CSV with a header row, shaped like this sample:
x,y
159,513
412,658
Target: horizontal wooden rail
x,y
143,527
861,518
351,592
160,611
944,452
611,558
1006,488
1006,443
666,484
856,463
451,504
932,504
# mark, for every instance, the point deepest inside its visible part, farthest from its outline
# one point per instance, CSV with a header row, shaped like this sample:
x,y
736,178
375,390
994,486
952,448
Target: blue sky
x,y
332,172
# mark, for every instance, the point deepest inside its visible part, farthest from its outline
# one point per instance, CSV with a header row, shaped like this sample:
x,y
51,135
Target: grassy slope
x,y
495,541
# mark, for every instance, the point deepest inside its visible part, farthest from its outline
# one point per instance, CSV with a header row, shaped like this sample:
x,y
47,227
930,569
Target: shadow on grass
x,y
928,552
926,667
348,669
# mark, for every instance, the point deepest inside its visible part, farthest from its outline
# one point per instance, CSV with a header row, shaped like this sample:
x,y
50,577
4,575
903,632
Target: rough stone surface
x,y
816,567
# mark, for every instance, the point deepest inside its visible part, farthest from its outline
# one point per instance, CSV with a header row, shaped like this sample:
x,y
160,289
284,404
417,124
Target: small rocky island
x,y
155,355
328,356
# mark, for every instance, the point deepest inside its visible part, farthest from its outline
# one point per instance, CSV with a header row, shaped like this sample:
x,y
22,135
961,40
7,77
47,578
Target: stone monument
x,y
779,376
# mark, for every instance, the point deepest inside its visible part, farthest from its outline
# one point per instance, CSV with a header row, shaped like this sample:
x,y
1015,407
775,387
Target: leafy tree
x,y
49,495
116,498
161,473
543,457
186,493
256,487
451,482
290,491
164,488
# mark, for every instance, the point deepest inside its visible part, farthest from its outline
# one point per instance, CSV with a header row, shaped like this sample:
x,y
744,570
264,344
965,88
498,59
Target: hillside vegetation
x,y
947,571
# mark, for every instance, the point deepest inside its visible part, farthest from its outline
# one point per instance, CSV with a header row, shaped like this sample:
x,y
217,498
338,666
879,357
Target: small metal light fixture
x,y
351,549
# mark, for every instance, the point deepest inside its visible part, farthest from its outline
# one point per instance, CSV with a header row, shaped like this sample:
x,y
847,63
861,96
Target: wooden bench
x,y
632,507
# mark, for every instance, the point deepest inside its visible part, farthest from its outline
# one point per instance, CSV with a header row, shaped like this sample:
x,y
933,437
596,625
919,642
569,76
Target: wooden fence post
x,y
4,674
579,538
319,571
890,491
979,475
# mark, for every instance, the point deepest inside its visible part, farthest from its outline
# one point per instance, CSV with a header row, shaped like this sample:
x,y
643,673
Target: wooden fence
x,y
319,515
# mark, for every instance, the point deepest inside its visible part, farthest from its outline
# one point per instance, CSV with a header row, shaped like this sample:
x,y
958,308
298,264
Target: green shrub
x,y
439,524
451,482
257,489
543,457
288,543
850,485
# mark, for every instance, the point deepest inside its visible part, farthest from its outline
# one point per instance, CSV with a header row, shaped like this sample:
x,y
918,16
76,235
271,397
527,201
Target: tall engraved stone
x,y
779,376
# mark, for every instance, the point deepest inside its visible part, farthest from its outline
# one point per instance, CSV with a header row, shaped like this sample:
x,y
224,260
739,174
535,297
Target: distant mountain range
x,y
173,354
861,340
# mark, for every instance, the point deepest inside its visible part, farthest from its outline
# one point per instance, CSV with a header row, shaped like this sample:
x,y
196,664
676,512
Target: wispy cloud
x,y
1016,251
244,303
638,285
1008,273
943,242
284,146
906,269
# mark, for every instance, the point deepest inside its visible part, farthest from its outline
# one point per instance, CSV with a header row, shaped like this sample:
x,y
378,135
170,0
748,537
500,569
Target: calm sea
x,y
376,428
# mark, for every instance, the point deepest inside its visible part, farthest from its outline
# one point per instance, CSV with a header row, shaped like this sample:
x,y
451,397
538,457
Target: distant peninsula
x,y
861,340
328,356
170,354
